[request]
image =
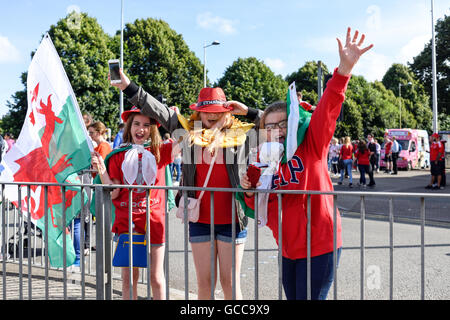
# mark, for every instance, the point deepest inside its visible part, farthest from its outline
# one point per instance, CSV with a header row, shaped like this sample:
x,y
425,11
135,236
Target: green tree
x,y
158,59
306,79
414,101
252,82
422,65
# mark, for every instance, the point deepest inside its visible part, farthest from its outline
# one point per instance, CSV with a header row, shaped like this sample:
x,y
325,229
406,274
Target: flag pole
x,y
121,58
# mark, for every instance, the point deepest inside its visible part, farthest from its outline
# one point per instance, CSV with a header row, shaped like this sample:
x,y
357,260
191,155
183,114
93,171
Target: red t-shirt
x,y
388,147
363,158
157,198
435,148
218,179
346,152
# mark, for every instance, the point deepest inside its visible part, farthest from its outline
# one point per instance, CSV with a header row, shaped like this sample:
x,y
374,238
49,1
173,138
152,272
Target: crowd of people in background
x,y
346,155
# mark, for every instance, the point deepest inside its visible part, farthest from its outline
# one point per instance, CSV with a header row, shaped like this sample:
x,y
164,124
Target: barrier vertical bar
x,y
130,247
391,249
280,247
107,246
4,244
335,247
99,238
147,236
308,248
256,247
422,248
46,240
29,244
186,247
82,243
213,251
20,243
166,252
233,246
63,233
362,273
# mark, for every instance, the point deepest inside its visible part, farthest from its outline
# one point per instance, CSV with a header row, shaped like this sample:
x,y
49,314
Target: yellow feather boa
x,y
232,137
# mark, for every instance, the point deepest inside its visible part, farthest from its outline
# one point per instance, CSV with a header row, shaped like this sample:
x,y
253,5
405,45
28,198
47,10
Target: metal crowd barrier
x,y
104,248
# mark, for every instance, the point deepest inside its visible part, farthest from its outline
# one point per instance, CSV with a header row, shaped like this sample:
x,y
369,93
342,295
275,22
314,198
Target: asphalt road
x,y
407,247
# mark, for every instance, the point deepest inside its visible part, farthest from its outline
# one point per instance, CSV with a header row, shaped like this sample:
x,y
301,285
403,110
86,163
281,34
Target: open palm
x,y
351,52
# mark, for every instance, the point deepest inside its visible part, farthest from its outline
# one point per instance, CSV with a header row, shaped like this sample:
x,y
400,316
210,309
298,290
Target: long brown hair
x,y
155,137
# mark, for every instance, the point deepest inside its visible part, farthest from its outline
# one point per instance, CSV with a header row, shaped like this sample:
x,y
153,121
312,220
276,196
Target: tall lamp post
x,y
400,85
214,43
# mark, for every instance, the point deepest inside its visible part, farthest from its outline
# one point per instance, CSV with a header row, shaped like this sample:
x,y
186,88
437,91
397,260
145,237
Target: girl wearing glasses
x,y
308,170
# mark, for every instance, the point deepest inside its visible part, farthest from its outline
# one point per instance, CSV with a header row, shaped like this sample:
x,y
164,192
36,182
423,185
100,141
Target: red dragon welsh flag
x,y
52,147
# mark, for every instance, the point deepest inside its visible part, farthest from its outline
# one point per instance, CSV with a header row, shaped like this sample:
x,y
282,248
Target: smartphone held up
x,y
114,70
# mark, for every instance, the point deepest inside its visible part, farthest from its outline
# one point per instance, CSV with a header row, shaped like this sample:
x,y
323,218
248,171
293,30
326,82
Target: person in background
x,y
97,132
363,154
395,152
306,105
119,136
346,155
373,152
378,153
334,151
388,154
437,153
9,140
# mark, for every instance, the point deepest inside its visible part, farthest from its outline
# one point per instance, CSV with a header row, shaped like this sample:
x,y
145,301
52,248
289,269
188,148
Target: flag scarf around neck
x,y
298,122
52,147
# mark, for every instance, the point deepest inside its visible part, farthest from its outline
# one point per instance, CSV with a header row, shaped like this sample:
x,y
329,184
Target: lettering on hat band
x,y
209,102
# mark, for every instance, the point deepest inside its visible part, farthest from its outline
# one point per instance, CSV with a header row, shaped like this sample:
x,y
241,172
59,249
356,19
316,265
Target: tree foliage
x,y
253,83
422,65
157,58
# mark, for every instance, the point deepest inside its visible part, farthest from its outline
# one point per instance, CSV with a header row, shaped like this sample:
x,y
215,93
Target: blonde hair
x,y
155,136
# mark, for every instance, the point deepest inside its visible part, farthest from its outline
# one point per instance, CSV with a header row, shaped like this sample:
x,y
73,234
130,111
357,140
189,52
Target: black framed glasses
x,y
271,126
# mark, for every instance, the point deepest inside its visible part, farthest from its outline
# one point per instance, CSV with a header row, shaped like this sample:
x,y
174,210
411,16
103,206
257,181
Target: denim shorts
x,y
201,232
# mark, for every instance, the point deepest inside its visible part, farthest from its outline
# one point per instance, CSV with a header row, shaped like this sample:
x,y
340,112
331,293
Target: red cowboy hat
x,y
125,115
210,100
435,135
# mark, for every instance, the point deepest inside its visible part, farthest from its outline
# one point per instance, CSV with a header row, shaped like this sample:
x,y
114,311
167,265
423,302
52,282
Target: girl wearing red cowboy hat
x,y
212,129
139,163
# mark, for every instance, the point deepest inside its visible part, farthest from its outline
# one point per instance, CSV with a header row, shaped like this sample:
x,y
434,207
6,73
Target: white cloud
x,y
277,65
224,26
413,48
8,52
373,66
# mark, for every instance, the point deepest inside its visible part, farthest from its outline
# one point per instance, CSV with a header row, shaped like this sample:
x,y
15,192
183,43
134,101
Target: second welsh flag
x,y
51,148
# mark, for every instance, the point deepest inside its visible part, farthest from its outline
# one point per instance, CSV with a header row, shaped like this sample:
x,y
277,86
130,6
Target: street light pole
x,y
214,43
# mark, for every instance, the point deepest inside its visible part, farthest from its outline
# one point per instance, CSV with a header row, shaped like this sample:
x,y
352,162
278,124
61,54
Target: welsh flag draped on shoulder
x,y
51,148
298,122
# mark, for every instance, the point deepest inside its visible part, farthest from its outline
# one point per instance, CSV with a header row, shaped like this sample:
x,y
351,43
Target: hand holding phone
x,y
114,70
253,174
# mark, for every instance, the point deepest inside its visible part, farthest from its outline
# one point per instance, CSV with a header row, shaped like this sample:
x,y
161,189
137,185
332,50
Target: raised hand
x,y
236,107
351,52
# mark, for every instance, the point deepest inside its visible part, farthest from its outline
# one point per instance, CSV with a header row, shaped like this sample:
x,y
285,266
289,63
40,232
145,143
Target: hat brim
x,y
209,108
126,114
